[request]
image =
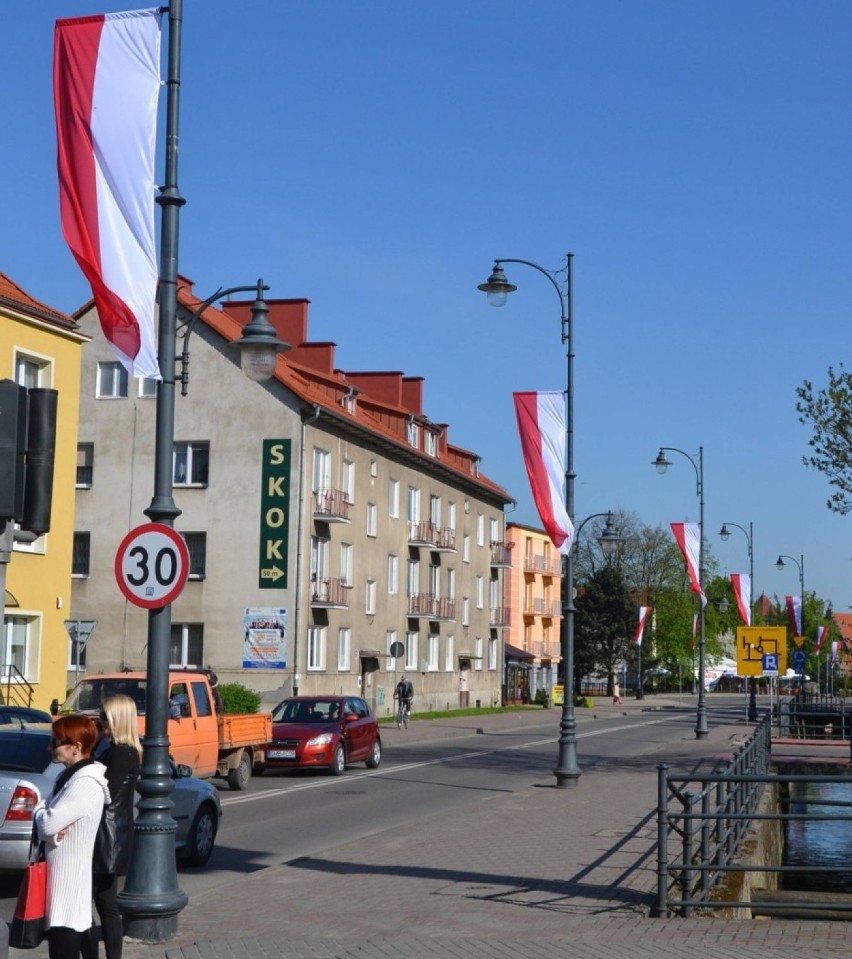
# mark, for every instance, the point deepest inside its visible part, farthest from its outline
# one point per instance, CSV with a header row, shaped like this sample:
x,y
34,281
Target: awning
x,y
515,652
370,654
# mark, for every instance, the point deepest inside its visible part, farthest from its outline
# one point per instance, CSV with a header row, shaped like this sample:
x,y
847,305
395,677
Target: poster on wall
x,y
265,644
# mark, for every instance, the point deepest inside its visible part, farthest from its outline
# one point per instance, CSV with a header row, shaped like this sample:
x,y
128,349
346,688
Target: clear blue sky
x,y
376,157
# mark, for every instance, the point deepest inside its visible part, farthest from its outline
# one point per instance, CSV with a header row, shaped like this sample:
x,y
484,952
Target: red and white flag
x,y
742,591
688,536
541,423
694,629
794,611
822,633
835,653
644,613
106,81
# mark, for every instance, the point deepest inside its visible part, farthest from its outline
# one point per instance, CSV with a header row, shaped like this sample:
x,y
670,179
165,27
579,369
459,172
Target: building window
x,y
465,611
191,464
495,531
451,584
431,440
316,648
451,516
435,510
413,434
347,560
112,381
31,371
466,548
480,529
344,649
413,577
390,665
80,554
393,499
196,543
413,504
85,464
148,388
77,653
450,654
372,519
432,652
370,599
348,478
411,650
492,653
393,575
322,469
480,592
187,646
19,638
477,649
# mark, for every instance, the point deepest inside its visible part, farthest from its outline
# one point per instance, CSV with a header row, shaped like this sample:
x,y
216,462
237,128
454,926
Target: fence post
x,y
661,908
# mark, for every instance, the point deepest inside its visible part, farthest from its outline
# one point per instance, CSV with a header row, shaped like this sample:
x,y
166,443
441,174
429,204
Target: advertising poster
x,y
265,644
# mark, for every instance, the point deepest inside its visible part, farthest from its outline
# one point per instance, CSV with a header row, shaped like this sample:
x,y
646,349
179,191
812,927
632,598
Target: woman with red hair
x,y
67,823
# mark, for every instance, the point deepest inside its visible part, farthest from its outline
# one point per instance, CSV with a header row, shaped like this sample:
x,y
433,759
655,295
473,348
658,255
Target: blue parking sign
x,y
770,662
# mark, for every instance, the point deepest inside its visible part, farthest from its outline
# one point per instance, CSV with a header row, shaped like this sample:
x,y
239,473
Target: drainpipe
x,y
300,551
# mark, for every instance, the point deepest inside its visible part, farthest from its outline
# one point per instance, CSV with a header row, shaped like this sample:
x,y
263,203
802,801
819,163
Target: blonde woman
x,y
114,841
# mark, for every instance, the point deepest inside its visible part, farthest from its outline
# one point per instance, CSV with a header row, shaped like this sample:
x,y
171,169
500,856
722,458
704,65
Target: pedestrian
x,y
616,692
67,823
120,751
404,692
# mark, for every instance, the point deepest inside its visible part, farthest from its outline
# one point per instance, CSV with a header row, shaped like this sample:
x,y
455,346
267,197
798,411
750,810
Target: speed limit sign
x,y
151,565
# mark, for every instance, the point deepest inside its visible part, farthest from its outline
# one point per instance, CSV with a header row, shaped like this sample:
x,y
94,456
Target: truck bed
x,y
244,729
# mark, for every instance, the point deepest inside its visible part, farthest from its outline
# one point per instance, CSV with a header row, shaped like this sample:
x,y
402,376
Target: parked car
x,y
325,731
27,774
18,715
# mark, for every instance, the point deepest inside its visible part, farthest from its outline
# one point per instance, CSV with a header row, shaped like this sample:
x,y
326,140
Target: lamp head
x,y
724,605
610,539
497,288
259,345
780,563
661,463
724,532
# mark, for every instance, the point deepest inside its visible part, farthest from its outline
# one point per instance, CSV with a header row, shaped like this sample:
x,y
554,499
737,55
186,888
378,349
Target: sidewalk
x,y
539,872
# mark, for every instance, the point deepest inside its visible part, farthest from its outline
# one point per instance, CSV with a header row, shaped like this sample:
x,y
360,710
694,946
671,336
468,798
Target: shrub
x,y
540,697
237,698
584,701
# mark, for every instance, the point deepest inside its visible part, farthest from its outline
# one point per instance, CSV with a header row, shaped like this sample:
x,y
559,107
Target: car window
x,y
307,711
89,696
203,706
27,753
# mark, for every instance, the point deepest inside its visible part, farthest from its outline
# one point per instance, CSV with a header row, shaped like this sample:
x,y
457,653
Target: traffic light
x,y
13,445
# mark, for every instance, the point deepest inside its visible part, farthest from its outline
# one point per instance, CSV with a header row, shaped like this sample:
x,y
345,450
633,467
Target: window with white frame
x,y
148,388
411,650
85,464
393,575
466,548
319,558
493,593
492,653
432,644
434,587
480,529
477,652
465,611
20,647
191,464
413,577
322,469
348,478
316,648
372,519
451,516
393,499
187,644
196,543
344,649
413,504
390,665
347,561
450,654
112,381
413,434
431,441
451,584
370,598
480,592
81,554
32,371
435,510
495,531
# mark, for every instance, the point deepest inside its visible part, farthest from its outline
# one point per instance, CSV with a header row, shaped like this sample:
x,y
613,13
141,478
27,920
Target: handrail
x,y
20,684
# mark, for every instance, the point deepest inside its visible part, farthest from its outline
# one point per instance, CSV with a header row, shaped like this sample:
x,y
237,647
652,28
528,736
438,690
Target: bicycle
x,y
402,714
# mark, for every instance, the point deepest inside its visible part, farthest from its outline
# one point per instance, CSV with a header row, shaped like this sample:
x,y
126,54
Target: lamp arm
x,y
564,295
698,482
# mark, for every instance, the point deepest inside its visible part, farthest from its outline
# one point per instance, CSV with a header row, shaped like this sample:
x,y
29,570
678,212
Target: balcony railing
x,y
446,540
331,506
329,593
545,650
428,606
499,617
540,564
423,533
501,555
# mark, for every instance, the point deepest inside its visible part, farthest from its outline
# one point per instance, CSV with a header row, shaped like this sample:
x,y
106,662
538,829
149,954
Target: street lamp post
x,y
662,464
725,533
800,566
151,899
497,288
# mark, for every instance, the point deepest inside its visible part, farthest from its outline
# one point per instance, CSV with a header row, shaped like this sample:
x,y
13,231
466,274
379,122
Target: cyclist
x,y
404,692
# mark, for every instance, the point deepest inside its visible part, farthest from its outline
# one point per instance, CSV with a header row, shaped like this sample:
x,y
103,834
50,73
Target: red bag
x,y
28,927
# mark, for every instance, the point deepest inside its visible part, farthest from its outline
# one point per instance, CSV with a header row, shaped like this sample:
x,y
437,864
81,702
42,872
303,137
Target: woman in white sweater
x,y
67,823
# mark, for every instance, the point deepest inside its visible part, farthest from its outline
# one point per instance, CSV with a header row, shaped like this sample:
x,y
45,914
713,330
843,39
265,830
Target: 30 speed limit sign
x,y
151,565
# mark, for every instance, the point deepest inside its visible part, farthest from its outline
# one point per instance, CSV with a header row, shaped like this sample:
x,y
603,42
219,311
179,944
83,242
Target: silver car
x,y
27,773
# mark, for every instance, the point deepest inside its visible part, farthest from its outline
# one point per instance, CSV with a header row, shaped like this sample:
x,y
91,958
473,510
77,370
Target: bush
x,y
584,702
239,699
540,697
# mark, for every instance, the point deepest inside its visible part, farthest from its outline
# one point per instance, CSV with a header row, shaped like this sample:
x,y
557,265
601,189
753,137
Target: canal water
x,y
820,842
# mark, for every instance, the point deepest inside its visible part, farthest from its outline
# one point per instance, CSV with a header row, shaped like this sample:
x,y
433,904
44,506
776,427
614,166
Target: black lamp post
x,y
151,899
725,533
662,464
800,566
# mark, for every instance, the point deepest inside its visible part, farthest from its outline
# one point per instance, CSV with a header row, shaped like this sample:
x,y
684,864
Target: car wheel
x,y
202,836
338,762
375,754
239,778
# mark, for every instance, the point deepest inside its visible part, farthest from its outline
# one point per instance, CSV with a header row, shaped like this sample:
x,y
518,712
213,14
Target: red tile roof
x,y
14,296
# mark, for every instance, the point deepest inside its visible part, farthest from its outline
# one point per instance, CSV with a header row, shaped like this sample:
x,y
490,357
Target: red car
x,y
327,731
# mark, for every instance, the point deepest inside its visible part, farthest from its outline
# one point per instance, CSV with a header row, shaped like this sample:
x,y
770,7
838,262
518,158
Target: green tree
x,y
828,411
605,622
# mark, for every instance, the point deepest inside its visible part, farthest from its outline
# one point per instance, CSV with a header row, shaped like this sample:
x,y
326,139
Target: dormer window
x,y
413,434
431,440
349,402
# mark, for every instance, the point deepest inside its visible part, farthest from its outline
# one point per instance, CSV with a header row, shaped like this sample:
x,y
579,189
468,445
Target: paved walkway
x,y
542,872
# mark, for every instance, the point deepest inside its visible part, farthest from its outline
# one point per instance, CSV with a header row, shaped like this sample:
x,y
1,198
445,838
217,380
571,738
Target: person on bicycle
x,y
404,692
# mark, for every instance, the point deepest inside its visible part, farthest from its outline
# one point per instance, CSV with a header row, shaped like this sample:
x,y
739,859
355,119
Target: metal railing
x,y
702,821
815,716
17,692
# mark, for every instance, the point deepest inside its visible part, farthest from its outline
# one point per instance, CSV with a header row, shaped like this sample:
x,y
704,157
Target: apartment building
x,y
337,538
534,601
40,347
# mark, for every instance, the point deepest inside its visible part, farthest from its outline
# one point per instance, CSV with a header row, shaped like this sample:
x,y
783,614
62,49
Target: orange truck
x,y
209,742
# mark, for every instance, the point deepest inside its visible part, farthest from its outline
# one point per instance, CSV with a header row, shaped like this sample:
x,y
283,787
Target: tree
x,y
605,622
829,412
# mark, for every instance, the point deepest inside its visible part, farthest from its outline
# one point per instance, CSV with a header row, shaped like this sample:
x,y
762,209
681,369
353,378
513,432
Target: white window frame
x,y
480,529
451,584
465,611
480,592
413,577
477,651
393,498
347,564
450,655
316,648
112,381
413,434
492,653
432,651
430,443
148,388
466,548
435,509
451,516
321,469
347,476
85,462
185,638
411,644
393,574
370,598
494,526
413,506
390,664
191,449
344,649
21,632
33,369
372,520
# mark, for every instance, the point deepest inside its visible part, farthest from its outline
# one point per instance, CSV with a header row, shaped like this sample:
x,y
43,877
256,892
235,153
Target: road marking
x,y
236,799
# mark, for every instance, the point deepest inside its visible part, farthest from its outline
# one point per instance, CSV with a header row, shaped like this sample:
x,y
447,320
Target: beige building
x,y
337,538
534,600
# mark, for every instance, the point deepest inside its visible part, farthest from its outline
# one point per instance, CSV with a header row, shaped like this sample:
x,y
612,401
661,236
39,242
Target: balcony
x,y
427,606
423,533
500,617
331,506
501,555
542,650
535,606
329,593
446,540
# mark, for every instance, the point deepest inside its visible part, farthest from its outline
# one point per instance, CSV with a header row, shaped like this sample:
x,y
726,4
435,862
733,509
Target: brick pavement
x,y
533,873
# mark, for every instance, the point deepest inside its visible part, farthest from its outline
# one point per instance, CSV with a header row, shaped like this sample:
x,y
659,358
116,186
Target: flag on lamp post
x,y
644,613
822,632
106,81
794,611
688,536
541,424
742,591
694,630
835,653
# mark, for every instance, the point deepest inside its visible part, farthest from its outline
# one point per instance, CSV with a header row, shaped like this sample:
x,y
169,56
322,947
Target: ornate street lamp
x,y
725,533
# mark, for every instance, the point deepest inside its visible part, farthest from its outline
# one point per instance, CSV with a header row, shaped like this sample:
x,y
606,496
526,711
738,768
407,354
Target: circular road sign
x,y
396,649
151,565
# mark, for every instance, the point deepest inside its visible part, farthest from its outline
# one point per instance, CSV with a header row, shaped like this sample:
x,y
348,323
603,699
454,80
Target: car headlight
x,y
323,739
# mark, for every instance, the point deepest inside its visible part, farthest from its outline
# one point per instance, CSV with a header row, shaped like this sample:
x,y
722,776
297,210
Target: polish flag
x,y
822,632
794,611
835,653
541,423
644,613
688,536
742,590
694,629
106,81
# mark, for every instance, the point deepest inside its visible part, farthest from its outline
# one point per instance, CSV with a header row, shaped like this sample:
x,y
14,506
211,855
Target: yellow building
x,y
40,347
